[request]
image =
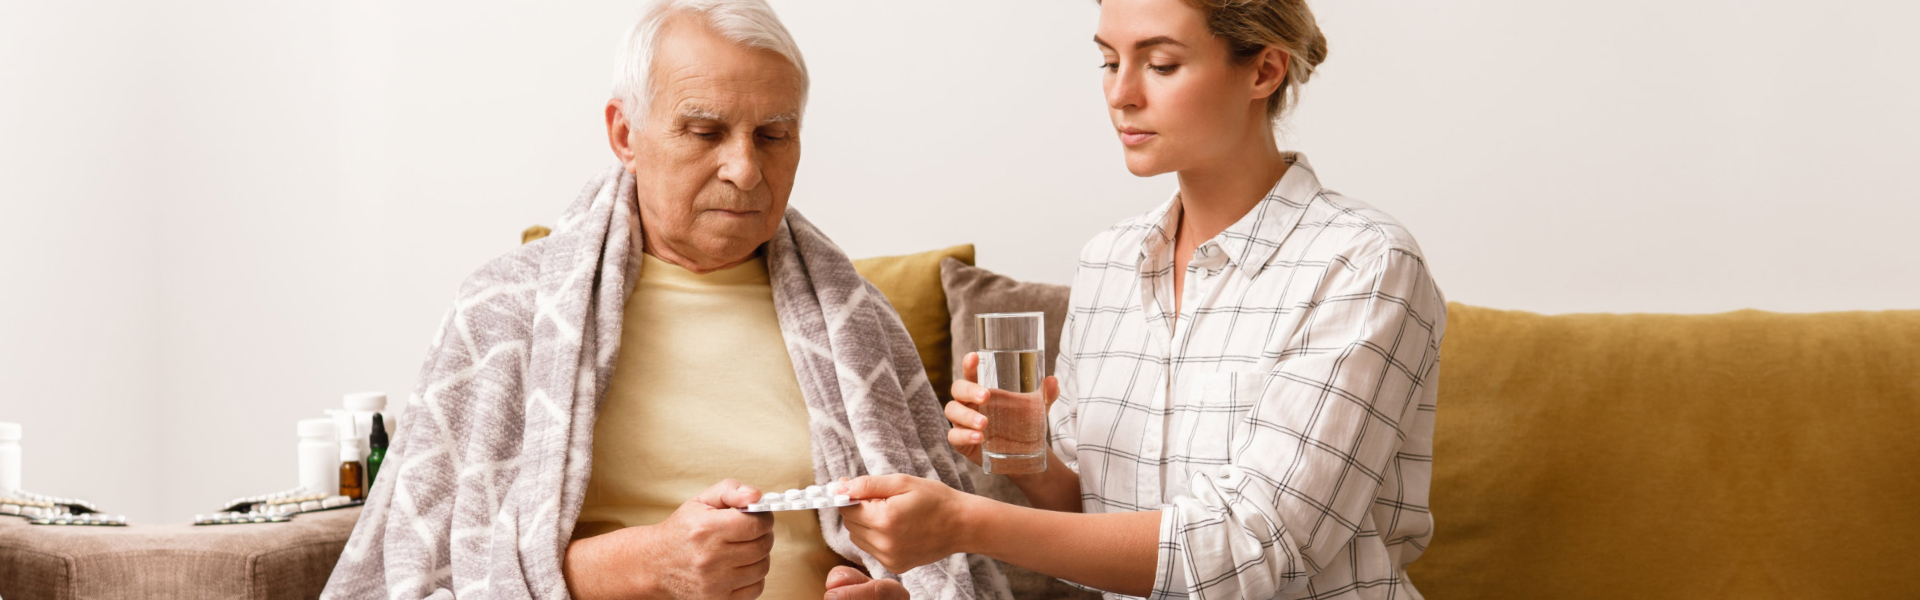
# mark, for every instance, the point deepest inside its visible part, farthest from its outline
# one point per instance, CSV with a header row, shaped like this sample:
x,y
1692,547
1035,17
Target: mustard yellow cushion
x,y
912,284
533,233
1739,455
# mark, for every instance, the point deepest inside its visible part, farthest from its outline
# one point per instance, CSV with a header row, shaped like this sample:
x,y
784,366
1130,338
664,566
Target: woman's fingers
x,y
969,390
868,487
964,440
962,415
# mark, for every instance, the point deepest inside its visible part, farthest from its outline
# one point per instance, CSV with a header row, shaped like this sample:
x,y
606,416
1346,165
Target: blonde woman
x,y
1246,382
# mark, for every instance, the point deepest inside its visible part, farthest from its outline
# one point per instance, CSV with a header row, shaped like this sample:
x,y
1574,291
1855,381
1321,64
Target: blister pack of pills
x,y
261,503
92,519
274,508
833,495
41,509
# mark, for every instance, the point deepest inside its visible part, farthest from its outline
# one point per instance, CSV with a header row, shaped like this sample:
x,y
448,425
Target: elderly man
x,y
681,327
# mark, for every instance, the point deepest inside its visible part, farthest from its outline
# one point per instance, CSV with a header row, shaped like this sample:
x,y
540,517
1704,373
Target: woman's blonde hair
x,y
1251,26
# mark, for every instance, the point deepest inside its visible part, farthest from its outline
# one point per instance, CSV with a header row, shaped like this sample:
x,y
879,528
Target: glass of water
x,y
1011,347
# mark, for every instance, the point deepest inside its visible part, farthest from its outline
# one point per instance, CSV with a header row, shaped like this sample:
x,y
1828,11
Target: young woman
x,y
1246,381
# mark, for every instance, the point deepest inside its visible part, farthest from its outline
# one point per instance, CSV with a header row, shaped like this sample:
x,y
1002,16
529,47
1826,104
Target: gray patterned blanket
x,y
484,481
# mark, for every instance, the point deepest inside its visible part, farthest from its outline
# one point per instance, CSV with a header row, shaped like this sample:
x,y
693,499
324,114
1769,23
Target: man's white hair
x,y
750,23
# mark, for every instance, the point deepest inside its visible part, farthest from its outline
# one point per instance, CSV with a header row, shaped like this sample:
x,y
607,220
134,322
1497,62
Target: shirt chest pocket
x,y
1210,416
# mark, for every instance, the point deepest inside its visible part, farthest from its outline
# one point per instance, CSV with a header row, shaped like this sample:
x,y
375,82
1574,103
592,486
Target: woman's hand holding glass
x,y
968,408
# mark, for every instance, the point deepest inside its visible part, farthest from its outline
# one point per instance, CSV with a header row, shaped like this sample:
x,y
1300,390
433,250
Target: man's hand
x,y
848,583
705,550
906,521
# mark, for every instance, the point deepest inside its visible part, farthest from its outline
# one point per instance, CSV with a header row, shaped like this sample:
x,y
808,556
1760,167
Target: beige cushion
x,y
972,290
251,562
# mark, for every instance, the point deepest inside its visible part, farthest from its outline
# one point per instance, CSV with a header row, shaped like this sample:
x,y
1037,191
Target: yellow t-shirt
x,y
703,390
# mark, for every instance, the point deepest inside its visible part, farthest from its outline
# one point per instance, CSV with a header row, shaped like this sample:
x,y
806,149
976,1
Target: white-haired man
x,y
589,389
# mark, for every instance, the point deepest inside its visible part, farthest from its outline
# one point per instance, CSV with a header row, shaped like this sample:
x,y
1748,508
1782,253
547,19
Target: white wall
x,y
221,215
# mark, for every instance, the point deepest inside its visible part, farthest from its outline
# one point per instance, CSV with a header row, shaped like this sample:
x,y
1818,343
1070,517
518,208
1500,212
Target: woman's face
x,y
1176,97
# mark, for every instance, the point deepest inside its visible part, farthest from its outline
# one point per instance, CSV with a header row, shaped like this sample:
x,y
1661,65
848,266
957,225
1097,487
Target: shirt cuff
x,y
1170,565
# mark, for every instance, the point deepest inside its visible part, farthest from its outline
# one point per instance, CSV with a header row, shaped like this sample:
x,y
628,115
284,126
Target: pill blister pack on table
x,y
280,510
40,509
832,495
92,519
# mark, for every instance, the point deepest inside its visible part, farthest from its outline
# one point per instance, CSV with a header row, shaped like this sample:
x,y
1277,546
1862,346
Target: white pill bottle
x,y
319,457
9,458
355,419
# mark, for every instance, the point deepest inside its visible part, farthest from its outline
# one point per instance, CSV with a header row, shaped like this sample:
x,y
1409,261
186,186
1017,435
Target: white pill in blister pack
x,y
813,497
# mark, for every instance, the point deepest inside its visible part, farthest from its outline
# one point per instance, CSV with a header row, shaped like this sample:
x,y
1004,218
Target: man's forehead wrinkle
x,y
698,87
712,105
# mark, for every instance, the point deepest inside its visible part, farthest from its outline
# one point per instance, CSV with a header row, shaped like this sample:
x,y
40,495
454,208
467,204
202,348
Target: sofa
x,y
1747,454
1739,455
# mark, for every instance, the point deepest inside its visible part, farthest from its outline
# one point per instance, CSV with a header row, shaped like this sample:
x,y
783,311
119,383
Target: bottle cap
x,y
365,401
320,428
349,450
9,432
378,439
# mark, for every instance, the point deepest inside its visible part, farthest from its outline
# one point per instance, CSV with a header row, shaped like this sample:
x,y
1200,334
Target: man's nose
x,y
740,162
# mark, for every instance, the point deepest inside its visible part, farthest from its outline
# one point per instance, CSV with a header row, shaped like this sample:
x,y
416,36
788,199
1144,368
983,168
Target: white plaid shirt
x,y
1283,424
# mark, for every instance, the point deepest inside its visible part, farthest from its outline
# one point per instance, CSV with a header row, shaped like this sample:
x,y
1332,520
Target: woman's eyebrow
x,y
1156,41
1146,43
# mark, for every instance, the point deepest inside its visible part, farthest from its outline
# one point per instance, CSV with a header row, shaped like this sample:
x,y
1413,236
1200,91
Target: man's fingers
x,y
740,577
742,496
750,551
970,367
721,495
843,576
1052,390
755,571
879,589
750,592
734,526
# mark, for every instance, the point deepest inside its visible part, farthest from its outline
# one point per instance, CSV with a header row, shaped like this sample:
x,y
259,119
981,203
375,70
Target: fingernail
x,y
980,422
833,594
976,436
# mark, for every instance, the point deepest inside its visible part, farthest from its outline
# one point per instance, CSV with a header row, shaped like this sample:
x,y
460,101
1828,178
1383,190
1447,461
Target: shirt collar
x,y
1250,242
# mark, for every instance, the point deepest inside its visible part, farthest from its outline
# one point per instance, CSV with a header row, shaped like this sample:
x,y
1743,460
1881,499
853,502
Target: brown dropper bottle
x,y
352,475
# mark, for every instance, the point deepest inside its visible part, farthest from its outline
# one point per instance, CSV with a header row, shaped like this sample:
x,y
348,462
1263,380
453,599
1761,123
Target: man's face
x,y
715,157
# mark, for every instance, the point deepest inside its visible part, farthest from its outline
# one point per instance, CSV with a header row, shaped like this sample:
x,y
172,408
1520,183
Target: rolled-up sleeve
x,y
1310,456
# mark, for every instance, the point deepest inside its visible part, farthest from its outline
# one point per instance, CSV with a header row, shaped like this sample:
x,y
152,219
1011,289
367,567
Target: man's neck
x,y
697,267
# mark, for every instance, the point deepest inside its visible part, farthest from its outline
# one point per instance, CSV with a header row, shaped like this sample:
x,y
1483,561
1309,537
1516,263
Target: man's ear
x,y
620,133
1270,70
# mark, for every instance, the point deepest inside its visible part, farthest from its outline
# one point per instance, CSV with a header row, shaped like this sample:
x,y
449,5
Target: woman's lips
x,y
1135,137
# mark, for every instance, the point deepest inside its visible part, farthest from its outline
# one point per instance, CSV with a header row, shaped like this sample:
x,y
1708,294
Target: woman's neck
x,y
1215,196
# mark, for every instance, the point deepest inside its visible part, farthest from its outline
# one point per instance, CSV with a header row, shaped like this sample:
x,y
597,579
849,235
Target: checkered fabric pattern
x,y
1282,422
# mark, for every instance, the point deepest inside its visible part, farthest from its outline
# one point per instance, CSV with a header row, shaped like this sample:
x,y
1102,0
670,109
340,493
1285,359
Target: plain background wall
x,y
222,215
